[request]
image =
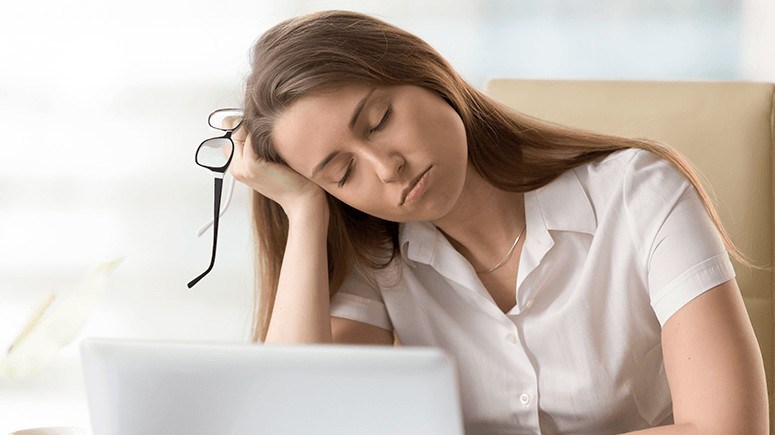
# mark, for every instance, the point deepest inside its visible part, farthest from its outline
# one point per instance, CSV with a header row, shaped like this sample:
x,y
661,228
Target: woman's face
x,y
398,153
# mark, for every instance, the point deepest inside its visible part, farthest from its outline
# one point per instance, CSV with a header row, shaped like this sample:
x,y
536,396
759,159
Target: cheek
x,y
355,198
449,141
456,130
442,127
369,199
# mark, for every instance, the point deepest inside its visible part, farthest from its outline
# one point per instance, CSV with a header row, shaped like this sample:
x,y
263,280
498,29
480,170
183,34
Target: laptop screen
x,y
205,388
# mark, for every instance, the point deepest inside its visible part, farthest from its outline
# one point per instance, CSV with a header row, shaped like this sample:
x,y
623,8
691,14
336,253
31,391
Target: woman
x,y
580,281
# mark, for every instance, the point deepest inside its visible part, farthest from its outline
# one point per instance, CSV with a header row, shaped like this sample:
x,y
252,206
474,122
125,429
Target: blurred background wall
x,y
102,104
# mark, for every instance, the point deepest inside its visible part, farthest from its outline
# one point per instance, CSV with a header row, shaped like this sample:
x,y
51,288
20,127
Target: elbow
x,y
754,420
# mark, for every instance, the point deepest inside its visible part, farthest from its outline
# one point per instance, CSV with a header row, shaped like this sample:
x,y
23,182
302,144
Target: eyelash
x,y
382,121
377,127
346,173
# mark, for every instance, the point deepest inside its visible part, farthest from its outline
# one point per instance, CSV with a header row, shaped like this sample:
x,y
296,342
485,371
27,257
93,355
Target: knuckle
x,y
239,175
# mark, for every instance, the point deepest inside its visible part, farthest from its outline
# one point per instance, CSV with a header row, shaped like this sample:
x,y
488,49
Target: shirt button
x,y
529,303
511,338
524,398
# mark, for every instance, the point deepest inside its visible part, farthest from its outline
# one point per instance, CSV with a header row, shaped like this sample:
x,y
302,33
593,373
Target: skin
x,y
420,131
382,155
708,337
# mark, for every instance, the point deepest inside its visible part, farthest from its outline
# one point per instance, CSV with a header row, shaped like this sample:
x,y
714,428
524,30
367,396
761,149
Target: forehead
x,y
316,123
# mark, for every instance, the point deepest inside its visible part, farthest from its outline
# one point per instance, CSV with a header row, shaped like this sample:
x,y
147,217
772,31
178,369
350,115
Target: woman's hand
x,y
291,190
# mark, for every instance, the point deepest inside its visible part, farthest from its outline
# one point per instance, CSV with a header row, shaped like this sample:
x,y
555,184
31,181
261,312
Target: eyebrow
x,y
359,108
356,113
324,162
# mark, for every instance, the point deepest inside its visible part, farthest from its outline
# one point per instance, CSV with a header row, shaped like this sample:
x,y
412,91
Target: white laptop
x,y
142,387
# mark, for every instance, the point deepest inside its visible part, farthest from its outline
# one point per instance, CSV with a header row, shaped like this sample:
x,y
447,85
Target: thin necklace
x,y
508,254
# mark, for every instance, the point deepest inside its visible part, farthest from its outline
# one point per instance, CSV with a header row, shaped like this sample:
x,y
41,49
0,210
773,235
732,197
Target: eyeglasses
x,y
215,154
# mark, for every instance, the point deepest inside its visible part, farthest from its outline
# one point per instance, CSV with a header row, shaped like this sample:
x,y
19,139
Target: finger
x,y
236,158
225,150
247,151
230,121
239,137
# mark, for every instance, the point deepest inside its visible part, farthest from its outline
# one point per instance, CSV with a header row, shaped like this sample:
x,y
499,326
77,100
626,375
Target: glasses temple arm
x,y
216,215
225,207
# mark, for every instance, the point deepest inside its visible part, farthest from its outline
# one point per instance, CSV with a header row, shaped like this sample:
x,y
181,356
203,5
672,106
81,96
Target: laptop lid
x,y
148,387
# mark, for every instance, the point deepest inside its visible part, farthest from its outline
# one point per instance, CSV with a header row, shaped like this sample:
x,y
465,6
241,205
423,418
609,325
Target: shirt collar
x,y
418,241
563,205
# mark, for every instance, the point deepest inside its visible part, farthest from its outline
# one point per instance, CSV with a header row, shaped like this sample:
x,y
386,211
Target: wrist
x,y
311,210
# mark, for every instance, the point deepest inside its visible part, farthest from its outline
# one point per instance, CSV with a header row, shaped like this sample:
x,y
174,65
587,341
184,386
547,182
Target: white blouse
x,y
613,248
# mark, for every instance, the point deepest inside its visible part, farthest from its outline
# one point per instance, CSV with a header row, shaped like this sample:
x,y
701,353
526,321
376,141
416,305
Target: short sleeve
x,y
358,299
678,244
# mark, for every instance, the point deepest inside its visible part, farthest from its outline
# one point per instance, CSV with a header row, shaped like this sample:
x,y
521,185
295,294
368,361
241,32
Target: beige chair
x,y
726,129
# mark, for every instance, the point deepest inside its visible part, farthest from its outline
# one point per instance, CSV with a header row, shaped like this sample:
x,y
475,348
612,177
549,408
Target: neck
x,y
484,222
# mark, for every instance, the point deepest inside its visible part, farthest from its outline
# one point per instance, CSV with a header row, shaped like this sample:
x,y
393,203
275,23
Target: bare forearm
x,y
691,429
673,429
301,312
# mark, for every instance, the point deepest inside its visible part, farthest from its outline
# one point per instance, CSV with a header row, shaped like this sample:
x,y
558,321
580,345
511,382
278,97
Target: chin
x,y
437,207
448,201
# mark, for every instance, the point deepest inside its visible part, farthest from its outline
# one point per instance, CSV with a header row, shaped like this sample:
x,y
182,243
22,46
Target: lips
x,y
411,185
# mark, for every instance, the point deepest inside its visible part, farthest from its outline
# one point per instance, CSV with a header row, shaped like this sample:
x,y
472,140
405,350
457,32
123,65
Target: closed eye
x,y
379,126
346,173
382,121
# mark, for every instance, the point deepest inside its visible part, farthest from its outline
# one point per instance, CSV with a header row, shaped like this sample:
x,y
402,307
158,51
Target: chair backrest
x,y
724,128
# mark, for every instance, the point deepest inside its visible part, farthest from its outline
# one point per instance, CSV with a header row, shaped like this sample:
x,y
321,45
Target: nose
x,y
387,165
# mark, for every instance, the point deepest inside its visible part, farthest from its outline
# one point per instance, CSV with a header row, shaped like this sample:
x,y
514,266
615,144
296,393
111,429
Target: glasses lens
x,y
225,119
214,153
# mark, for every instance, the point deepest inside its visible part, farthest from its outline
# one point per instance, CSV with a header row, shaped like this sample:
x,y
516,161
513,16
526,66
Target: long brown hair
x,y
326,50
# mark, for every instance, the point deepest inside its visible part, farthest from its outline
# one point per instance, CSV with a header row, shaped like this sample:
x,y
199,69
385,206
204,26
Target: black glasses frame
x,y
219,172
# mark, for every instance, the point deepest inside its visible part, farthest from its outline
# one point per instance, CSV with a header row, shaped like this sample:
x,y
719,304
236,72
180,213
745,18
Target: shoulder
x,y
619,164
375,280
632,174
634,189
